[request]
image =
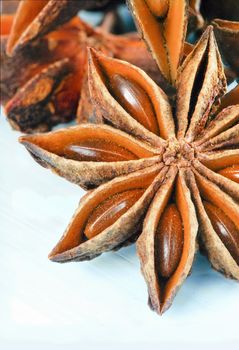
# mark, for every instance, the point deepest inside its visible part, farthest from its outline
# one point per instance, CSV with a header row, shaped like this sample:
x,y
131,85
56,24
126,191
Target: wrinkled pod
x,y
167,245
108,217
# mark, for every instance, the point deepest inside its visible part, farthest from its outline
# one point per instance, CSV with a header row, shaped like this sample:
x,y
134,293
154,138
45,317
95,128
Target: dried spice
x,y
166,33
168,181
34,19
16,70
58,104
224,16
53,74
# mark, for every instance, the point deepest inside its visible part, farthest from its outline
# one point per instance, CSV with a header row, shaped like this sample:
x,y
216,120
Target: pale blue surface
x,y
97,304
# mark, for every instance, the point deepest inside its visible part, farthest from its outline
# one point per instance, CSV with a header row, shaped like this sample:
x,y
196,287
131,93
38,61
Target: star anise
x,y
224,16
43,81
34,19
163,25
168,176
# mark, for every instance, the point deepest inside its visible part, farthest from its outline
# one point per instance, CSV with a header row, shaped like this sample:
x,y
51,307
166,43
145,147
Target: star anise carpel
x,y
165,36
165,176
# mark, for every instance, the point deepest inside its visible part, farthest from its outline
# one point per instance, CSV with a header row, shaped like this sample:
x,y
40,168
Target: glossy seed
x,y
231,173
135,101
110,210
225,228
159,8
97,150
169,241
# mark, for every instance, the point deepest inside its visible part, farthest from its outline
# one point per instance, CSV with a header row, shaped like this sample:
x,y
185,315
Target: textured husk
x,y
137,54
32,108
66,42
16,70
228,40
129,49
164,82
146,247
70,42
228,186
117,233
160,27
224,120
217,253
217,160
112,111
86,174
213,86
53,14
227,139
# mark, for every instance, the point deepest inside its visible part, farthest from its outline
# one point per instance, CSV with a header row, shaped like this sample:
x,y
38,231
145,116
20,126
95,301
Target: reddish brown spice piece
x,y
231,173
62,55
97,150
169,241
110,210
225,228
134,100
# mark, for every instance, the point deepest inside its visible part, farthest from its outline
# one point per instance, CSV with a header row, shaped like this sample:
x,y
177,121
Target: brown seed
x,y
225,228
169,241
159,8
135,101
231,173
97,150
110,210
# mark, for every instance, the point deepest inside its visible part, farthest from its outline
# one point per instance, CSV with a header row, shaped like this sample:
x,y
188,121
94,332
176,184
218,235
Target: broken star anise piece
x,y
46,83
163,25
158,174
34,19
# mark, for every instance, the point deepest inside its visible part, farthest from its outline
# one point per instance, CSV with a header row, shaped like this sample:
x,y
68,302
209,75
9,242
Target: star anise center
x,y
178,152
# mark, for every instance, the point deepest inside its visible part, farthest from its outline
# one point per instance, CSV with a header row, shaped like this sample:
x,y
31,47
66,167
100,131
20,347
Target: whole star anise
x,y
167,176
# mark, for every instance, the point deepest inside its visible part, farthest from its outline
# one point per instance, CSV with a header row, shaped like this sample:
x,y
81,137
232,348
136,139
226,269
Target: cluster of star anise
x,y
161,159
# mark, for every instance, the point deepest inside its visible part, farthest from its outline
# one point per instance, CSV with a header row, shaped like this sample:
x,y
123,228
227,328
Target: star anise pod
x,y
167,175
163,25
224,16
34,19
43,83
